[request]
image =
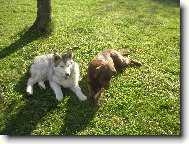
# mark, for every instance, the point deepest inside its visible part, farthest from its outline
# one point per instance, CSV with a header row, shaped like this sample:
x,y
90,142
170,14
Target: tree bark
x,y
43,15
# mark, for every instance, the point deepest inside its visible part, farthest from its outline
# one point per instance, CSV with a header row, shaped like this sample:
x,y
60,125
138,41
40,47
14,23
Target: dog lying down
x,y
103,67
60,70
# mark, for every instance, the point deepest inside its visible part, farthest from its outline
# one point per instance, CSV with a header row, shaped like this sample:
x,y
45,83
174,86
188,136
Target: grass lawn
x,y
139,101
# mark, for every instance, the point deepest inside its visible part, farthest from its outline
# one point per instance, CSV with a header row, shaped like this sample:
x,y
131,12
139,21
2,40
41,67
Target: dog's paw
x,y
82,97
60,98
29,90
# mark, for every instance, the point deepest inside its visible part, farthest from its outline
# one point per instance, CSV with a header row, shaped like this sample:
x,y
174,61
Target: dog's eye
x,y
62,66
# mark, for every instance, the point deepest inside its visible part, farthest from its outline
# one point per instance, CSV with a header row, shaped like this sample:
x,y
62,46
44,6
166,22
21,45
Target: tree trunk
x,y
43,16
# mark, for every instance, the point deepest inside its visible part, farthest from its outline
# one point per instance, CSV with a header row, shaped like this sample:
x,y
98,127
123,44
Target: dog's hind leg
x,y
32,81
124,52
119,61
127,61
135,63
41,84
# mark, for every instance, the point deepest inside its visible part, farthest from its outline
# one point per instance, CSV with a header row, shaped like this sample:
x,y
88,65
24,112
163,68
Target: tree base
x,y
37,30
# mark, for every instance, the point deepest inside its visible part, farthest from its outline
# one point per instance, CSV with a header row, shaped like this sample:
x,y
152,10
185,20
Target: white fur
x,y
43,68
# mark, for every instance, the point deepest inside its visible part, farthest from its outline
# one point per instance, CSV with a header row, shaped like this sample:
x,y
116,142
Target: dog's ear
x,y
69,55
113,69
97,72
56,58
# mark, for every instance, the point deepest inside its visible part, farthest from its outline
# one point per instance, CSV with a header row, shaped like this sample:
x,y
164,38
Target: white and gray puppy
x,y
60,70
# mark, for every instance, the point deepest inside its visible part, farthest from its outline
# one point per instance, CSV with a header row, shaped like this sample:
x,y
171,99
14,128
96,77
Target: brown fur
x,y
102,68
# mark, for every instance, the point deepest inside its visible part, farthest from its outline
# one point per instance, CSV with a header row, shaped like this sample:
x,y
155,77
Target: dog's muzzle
x,y
67,76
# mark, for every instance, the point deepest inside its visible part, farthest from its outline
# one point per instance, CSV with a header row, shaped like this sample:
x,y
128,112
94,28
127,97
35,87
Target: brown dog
x,y
103,67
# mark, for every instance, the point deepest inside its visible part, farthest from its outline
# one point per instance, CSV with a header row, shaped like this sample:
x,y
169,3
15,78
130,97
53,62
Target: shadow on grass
x,y
76,117
26,37
31,113
79,113
175,3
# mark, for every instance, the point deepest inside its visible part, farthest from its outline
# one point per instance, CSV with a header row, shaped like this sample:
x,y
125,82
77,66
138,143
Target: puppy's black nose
x,y
67,74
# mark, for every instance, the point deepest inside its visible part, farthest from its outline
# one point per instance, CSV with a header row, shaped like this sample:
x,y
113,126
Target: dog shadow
x,y
79,113
77,116
30,113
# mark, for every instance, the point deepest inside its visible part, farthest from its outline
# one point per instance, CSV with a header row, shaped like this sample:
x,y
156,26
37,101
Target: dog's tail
x,y
124,52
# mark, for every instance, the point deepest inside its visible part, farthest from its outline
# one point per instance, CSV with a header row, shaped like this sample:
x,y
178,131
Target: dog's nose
x,y
67,74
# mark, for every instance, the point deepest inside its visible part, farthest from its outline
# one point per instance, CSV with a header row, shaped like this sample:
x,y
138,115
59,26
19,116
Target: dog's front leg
x,y
57,90
77,90
90,88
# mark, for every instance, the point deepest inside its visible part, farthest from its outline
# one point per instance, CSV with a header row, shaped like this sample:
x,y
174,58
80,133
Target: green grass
x,y
140,101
